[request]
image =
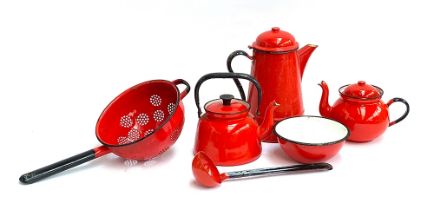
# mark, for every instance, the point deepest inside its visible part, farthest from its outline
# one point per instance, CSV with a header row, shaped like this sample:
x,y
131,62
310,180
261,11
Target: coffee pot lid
x,y
275,40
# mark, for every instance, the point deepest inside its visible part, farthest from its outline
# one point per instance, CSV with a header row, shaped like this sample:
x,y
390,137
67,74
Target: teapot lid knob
x,y
361,82
226,99
275,29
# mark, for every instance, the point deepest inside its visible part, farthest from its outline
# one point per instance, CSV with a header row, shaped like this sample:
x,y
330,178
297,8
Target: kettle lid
x,y
275,40
361,90
227,105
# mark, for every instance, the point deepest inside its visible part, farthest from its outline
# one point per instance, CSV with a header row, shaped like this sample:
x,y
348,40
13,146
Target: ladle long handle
x,y
63,165
278,170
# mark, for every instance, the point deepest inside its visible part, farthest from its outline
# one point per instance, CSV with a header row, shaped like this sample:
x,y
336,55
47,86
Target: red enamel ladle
x,y
207,174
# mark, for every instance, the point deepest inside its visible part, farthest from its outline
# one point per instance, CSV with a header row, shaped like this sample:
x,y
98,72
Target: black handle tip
x,y
326,166
24,179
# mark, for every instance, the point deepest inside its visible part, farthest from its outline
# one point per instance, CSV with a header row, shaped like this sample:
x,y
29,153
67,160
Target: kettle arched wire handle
x,y
224,76
229,66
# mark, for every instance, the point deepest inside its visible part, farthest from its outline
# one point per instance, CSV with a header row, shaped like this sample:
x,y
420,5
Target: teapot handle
x,y
223,76
393,100
229,66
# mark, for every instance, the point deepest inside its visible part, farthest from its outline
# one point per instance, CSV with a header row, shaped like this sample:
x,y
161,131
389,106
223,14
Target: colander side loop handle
x,y
55,168
187,87
224,76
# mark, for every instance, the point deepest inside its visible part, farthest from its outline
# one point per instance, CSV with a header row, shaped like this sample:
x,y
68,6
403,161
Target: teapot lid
x,y
275,40
227,105
362,91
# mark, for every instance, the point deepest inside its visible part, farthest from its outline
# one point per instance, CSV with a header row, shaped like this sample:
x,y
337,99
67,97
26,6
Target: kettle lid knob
x,y
227,98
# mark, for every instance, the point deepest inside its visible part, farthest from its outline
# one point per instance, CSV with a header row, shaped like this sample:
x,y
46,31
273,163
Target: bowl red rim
x,y
281,138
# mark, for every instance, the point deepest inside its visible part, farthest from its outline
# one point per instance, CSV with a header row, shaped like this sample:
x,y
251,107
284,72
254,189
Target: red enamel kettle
x,y
278,65
227,133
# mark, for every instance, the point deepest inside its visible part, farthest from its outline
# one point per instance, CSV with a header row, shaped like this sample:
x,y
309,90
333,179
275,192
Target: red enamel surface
x,y
236,107
228,142
308,153
205,171
279,74
361,90
366,117
134,101
366,121
275,40
280,79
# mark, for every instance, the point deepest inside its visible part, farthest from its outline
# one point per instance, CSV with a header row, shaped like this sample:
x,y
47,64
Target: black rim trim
x,y
311,144
273,52
178,97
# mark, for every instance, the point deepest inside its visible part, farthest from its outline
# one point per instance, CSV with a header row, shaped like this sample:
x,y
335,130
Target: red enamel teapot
x,y
361,109
278,65
228,133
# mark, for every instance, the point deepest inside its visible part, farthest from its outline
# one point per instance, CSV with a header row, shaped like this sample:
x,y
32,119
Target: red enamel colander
x,y
141,123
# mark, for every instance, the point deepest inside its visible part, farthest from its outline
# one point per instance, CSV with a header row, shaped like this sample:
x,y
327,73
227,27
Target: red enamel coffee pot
x,y
361,109
278,65
227,133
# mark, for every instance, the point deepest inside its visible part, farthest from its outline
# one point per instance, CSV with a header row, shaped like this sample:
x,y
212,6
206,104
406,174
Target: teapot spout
x,y
304,55
324,106
266,126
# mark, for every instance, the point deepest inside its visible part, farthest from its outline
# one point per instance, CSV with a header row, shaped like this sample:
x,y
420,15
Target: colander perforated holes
x,y
134,134
155,100
158,115
126,121
142,119
123,140
171,108
148,132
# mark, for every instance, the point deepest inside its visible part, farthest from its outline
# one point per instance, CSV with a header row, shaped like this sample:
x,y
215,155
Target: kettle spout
x,y
267,124
324,106
304,55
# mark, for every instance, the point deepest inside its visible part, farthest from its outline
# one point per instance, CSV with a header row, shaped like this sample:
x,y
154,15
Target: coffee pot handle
x,y
224,76
229,66
393,100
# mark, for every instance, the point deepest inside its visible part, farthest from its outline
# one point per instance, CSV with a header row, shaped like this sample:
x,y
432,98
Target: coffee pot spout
x,y
324,106
266,126
304,55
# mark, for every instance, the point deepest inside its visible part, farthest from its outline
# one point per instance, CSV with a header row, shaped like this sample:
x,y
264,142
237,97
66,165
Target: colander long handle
x,y
63,165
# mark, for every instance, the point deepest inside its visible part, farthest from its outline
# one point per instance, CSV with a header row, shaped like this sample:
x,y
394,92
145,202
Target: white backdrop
x,y
61,62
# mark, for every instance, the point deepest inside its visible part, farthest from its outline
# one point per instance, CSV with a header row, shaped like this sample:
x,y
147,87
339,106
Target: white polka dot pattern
x,y
171,108
134,134
148,132
158,115
142,119
123,140
155,100
126,121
